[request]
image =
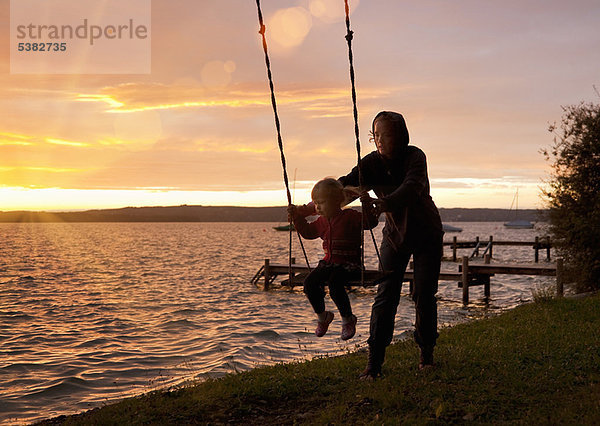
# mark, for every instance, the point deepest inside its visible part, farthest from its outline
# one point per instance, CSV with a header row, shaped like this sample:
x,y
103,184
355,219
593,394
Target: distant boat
x,y
517,223
450,228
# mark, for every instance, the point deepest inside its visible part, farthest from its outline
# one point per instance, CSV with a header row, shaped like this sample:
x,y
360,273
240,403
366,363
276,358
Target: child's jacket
x,y
341,235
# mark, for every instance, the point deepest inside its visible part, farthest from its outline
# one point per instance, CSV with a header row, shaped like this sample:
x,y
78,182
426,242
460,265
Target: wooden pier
x,y
469,274
484,247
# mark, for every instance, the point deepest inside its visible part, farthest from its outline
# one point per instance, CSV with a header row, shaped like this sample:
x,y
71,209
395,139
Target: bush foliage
x,y
573,192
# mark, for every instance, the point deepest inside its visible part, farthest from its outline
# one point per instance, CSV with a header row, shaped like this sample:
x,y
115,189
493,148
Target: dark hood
x,y
399,125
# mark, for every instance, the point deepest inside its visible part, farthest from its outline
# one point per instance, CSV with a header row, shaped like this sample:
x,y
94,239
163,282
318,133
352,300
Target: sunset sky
x,y
478,82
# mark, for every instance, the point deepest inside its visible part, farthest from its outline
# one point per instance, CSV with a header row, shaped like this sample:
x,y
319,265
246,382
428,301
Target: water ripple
x,y
95,312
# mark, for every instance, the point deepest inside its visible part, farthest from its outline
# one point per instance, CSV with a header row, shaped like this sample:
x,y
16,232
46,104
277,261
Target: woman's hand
x,y
366,201
380,206
375,205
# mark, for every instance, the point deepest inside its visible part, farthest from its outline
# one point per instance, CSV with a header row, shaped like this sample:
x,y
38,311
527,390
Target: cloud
x,y
8,139
221,145
40,169
481,183
67,143
137,97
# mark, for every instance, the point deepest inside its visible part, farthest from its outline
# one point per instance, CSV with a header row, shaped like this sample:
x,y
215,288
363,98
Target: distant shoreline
x,y
237,214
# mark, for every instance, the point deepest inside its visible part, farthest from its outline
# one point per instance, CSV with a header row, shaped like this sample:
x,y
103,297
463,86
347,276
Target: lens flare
x,y
289,27
229,66
140,128
216,74
331,11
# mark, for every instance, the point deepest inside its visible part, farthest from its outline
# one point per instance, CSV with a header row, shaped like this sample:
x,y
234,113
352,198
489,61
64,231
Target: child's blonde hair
x,y
330,187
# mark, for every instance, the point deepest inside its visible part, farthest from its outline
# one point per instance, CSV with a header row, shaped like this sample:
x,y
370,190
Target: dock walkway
x,y
482,247
467,275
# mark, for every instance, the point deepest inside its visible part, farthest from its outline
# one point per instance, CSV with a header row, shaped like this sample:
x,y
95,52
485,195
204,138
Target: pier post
x,y
559,277
465,280
267,273
486,285
477,246
537,249
548,249
491,246
454,249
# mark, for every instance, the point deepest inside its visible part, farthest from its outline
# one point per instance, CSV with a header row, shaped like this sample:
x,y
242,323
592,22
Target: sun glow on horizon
x,y
57,199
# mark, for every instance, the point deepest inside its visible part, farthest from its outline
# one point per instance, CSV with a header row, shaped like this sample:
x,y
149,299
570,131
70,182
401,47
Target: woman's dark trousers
x,y
426,263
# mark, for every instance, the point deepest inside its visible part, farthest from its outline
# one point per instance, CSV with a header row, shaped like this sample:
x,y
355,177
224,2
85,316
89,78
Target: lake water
x,y
94,312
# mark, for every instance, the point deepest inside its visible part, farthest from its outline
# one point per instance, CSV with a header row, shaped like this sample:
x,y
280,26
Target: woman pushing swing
x,y
397,173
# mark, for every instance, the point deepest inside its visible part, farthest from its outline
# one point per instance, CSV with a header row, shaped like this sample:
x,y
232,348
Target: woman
x,y
397,173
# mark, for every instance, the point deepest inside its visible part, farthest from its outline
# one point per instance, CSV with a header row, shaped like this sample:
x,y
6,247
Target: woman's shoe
x,y
426,358
374,362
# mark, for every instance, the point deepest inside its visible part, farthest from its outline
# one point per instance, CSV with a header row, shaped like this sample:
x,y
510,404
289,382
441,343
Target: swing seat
x,y
379,276
372,278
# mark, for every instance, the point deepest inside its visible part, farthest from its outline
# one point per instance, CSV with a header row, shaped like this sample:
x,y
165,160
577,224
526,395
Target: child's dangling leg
x,y
313,288
325,319
337,290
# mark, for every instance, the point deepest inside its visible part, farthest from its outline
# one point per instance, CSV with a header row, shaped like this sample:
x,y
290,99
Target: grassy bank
x,y
539,363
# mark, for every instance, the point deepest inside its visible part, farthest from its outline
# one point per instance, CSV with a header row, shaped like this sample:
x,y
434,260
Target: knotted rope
x,y
262,31
349,37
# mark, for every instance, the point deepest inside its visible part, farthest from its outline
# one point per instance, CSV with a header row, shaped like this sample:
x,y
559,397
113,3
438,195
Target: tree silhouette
x,y
572,193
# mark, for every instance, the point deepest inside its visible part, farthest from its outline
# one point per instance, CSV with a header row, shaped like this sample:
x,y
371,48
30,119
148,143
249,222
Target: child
x,y
341,233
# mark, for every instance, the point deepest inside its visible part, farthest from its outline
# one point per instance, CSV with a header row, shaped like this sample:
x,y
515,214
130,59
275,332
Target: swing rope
x,y
349,37
262,31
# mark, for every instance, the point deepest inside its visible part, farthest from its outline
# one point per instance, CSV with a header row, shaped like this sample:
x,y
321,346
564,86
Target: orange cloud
x,y
236,146
66,143
42,169
133,97
14,139
8,139
4,142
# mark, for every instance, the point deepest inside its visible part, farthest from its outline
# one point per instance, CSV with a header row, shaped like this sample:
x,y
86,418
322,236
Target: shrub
x,y
573,193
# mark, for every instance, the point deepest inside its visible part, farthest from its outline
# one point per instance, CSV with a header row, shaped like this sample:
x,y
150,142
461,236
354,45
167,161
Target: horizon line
x,y
230,206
